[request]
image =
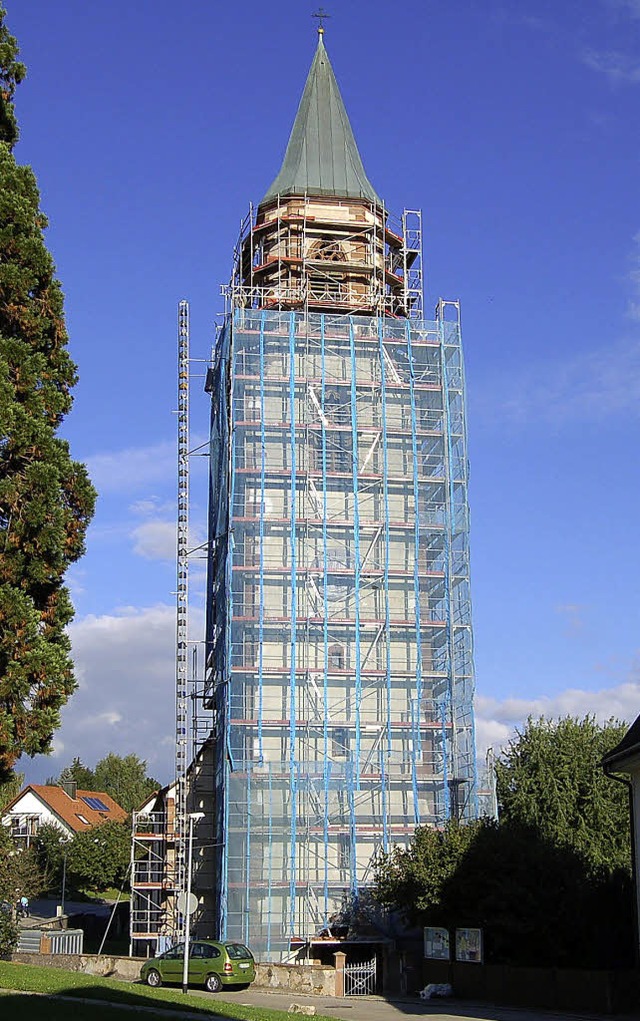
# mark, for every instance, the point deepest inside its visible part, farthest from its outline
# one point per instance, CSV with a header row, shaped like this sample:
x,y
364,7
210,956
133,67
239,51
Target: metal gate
x,y
360,978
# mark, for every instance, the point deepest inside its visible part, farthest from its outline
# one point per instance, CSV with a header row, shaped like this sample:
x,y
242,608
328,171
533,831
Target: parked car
x,y
211,964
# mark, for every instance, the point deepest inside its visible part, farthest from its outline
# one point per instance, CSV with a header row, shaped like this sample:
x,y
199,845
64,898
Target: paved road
x,y
376,1008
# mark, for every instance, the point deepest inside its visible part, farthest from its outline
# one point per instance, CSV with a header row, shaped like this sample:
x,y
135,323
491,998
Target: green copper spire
x,y
322,157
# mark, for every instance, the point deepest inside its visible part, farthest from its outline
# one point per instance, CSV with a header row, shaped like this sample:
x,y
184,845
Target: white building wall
x,y
31,805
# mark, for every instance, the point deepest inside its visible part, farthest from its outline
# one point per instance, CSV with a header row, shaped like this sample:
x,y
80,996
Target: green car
x,y
211,964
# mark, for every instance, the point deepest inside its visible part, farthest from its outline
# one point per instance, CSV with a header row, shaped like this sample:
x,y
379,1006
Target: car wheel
x,y
213,983
153,978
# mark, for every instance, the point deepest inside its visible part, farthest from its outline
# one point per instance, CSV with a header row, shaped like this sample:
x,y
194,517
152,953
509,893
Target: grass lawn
x,y
40,1008
28,977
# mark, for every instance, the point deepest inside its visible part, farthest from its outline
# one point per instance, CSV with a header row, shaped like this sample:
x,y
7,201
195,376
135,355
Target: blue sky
x,y
515,126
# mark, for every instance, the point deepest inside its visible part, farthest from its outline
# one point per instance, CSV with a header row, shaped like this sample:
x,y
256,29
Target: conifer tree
x,y
46,498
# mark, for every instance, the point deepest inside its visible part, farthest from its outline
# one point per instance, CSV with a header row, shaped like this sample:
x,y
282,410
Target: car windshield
x,y
237,951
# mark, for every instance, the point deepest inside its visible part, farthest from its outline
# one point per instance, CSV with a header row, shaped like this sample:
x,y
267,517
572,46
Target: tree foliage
x,y
8,933
10,788
20,870
99,858
46,499
123,777
550,779
550,883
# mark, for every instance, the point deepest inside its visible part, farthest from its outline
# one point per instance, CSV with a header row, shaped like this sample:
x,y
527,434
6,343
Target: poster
x,y
469,945
436,944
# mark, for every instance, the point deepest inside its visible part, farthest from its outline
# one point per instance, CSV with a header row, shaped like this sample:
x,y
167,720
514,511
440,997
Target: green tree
x,y
78,773
550,780
46,499
10,788
412,879
125,778
99,858
550,883
8,932
50,844
20,871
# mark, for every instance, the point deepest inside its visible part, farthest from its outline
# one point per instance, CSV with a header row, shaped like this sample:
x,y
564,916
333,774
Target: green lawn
x,y
27,977
41,1008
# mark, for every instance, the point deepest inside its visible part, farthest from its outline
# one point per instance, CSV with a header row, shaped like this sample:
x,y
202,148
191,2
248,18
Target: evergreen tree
x,y
550,882
46,499
78,773
550,779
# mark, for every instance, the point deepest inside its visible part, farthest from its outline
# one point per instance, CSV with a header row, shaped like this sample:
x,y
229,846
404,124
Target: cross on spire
x,y
320,14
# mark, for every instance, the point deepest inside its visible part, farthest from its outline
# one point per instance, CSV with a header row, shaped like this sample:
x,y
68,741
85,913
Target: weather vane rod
x,y
321,14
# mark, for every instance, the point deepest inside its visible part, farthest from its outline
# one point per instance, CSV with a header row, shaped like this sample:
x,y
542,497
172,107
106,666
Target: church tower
x,y
339,644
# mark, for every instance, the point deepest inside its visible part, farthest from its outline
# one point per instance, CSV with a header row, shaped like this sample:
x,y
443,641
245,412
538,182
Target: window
x,y
340,742
204,950
82,819
336,657
174,952
344,853
237,952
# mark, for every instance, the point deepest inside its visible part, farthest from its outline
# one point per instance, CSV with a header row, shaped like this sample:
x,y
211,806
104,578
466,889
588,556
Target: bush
x,y
8,932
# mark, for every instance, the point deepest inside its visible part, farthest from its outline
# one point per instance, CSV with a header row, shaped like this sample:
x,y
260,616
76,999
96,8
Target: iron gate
x,y
360,978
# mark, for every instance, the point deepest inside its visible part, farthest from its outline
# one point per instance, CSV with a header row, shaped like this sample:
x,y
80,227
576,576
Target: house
x,y
64,806
625,758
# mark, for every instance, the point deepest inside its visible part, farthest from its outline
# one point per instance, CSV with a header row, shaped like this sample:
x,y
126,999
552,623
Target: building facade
x,y
339,669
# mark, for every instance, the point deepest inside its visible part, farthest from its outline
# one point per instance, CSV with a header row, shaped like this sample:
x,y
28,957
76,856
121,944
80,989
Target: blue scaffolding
x,y
339,643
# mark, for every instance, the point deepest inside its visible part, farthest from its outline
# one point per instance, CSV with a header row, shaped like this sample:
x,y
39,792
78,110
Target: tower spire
x,y
322,157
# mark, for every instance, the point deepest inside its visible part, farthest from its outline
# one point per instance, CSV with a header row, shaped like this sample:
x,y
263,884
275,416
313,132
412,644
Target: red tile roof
x,y
69,810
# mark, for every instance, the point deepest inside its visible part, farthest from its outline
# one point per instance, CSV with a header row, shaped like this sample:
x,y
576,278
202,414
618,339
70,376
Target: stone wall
x,y
295,978
127,969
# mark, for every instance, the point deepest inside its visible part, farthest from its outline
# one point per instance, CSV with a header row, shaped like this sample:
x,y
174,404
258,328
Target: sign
x,y
190,904
469,945
436,944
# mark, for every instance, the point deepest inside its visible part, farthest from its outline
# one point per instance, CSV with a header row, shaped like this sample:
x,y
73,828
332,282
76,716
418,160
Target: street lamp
x,y
192,817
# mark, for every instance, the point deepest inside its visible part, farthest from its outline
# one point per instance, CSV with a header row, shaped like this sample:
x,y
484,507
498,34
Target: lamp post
x,y
65,844
193,817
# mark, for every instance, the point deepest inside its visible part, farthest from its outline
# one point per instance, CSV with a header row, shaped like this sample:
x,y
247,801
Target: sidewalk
x,y
378,1008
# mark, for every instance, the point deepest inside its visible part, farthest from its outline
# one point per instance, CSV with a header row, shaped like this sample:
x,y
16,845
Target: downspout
x,y
635,865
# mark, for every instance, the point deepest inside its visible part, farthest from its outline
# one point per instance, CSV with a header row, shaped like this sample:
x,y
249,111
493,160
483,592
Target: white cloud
x,y
633,308
588,387
573,614
134,468
151,507
630,7
620,68
155,540
498,719
126,699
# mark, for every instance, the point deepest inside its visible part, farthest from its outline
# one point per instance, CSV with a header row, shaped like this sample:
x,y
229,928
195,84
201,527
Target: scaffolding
x,y
339,642
160,827
328,255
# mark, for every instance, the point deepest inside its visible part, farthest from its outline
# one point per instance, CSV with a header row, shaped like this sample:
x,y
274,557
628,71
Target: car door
x,y
172,964
212,959
198,963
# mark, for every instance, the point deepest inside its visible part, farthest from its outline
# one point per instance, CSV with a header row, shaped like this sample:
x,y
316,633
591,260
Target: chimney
x,y
70,787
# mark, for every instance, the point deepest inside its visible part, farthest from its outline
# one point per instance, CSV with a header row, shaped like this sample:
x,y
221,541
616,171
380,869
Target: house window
x,y
82,819
344,854
336,657
340,742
